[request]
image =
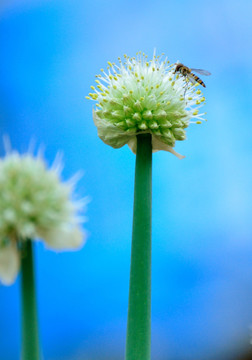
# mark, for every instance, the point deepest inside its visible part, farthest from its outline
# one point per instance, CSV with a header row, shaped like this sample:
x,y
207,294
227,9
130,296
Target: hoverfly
x,y
188,74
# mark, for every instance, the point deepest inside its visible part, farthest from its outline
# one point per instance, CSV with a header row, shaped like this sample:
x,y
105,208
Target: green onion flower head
x,y
35,204
144,96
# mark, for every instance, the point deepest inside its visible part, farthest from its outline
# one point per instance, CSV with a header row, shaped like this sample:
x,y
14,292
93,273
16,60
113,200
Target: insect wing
x,y
202,72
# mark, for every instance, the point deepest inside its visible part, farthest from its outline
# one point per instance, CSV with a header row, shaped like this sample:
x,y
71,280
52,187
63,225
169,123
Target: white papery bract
x,y
141,96
35,204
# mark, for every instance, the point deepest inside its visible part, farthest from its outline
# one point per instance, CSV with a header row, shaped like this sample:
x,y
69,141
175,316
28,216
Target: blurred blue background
x,y
202,233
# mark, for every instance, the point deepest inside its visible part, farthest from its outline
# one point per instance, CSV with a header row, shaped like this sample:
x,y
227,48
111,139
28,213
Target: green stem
x,y
30,338
138,341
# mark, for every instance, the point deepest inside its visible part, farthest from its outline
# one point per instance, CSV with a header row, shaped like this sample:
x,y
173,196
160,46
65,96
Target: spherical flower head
x,y
140,96
35,204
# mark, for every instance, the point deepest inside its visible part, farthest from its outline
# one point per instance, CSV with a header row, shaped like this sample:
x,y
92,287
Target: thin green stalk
x,y
138,341
30,338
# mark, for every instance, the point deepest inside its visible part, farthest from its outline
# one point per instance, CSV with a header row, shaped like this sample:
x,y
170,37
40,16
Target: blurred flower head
x,y
34,203
144,96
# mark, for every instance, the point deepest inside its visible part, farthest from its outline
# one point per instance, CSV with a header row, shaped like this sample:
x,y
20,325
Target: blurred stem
x,y
30,338
138,341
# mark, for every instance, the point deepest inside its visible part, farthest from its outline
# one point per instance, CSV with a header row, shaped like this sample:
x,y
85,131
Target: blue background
x,y
202,243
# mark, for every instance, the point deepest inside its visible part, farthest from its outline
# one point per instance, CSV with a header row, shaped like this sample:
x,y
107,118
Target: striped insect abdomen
x,y
196,78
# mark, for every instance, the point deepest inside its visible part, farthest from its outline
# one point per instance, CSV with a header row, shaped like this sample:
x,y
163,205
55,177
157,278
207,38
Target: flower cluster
x,y
34,204
141,96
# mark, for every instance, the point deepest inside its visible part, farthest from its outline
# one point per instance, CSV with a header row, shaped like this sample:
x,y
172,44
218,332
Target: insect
x,y
188,74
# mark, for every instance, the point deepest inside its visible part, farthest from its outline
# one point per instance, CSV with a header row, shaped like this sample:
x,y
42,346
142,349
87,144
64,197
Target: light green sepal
x,y
109,133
